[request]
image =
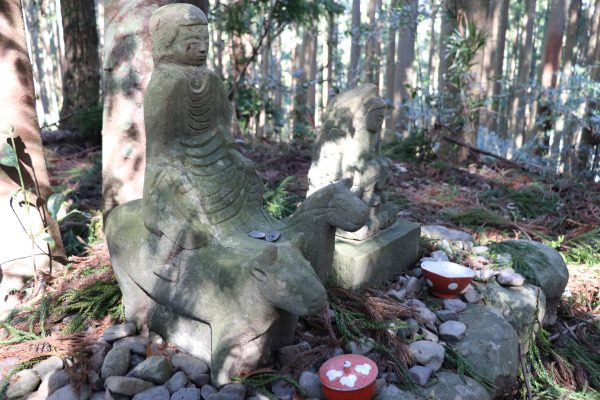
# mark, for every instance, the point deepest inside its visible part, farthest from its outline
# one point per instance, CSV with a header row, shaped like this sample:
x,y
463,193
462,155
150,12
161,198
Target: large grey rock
x,y
154,393
119,331
491,345
452,331
127,386
156,369
27,381
517,304
452,386
392,392
454,305
439,232
186,394
189,364
48,366
137,344
177,381
311,383
550,272
116,362
428,353
387,254
54,381
67,393
235,391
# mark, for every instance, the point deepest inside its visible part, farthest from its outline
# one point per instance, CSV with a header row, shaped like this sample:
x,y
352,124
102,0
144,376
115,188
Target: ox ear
x,y
299,241
347,182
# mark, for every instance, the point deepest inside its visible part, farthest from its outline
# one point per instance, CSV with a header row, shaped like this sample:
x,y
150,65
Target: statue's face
x,y
191,45
375,119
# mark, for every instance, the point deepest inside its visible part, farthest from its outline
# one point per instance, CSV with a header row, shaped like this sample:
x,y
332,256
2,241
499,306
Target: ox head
x,y
287,280
348,211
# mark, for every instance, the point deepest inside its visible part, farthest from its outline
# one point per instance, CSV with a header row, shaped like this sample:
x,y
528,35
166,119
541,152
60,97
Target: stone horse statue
x,y
184,255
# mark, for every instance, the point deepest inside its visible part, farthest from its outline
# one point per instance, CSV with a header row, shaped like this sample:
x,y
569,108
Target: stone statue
x,y
185,255
349,146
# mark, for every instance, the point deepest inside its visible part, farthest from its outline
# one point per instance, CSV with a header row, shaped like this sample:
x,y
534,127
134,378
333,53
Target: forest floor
x,y
488,198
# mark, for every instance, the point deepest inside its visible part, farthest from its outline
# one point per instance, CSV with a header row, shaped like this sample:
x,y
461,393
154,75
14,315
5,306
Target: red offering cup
x,y
445,278
348,377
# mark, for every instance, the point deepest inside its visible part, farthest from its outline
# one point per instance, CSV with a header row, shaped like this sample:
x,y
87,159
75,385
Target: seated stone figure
x,y
349,146
183,256
198,187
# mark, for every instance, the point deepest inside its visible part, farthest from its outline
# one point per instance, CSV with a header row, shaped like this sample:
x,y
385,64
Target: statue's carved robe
x,y
197,186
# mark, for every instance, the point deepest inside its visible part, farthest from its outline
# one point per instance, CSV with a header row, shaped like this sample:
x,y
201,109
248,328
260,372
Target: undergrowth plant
x,y
262,381
583,249
522,256
278,201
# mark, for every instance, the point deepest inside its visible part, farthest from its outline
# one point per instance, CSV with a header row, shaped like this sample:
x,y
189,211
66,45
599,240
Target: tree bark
x,y
550,63
330,83
373,48
403,75
353,72
17,109
495,88
81,65
389,78
518,99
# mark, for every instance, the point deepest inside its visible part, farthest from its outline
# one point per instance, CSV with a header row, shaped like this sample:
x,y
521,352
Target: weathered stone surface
x,y
235,391
154,393
177,381
392,392
507,278
54,381
398,294
451,235
119,331
387,254
517,304
348,146
452,387
48,366
439,255
67,393
551,273
186,394
199,379
447,315
493,352
189,364
428,353
156,369
99,351
454,305
27,381
471,295
452,330
412,286
126,386
282,390
206,391
137,344
420,374
311,383
116,362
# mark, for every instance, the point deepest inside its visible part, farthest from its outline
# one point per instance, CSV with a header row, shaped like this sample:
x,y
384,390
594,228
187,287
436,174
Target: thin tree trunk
x,y
519,100
403,75
444,33
330,83
498,64
372,44
430,66
17,109
571,36
389,77
353,73
265,87
81,65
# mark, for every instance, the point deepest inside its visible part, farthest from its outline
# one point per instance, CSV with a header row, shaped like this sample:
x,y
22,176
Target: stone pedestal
x,y
368,262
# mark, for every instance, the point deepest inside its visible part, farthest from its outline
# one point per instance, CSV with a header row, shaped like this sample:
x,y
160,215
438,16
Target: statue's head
x,y
179,35
375,114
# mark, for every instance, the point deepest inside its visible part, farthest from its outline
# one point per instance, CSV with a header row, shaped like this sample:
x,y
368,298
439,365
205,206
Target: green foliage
x,y
89,122
477,217
93,301
583,249
523,255
278,201
530,202
416,147
263,380
455,361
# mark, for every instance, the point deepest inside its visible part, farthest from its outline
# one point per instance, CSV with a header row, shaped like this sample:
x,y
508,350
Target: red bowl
x,y
348,377
446,279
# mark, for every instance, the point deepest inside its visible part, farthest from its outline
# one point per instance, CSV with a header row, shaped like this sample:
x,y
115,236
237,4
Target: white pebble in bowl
x,y
452,286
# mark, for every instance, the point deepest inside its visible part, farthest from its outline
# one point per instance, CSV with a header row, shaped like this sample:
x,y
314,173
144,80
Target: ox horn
x,y
347,182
